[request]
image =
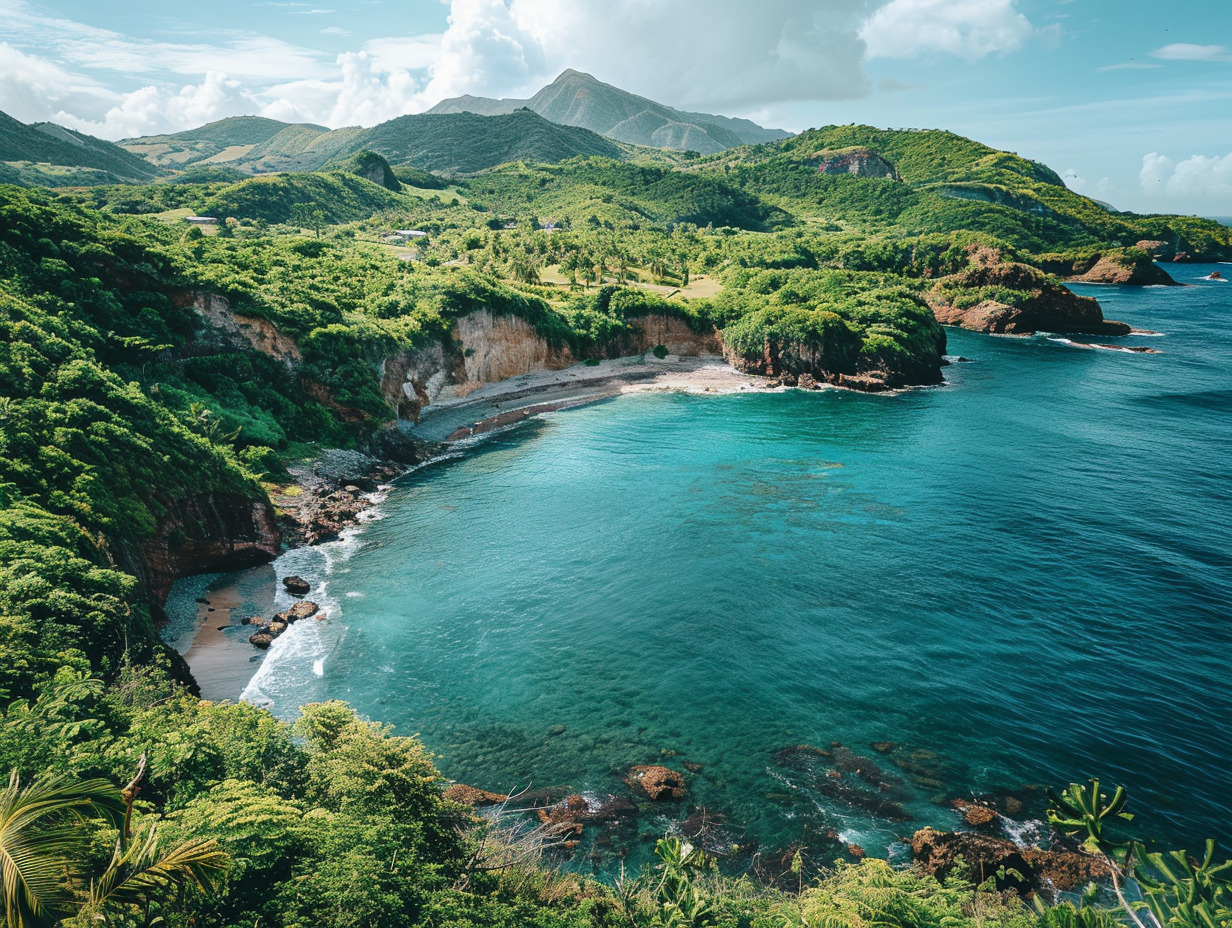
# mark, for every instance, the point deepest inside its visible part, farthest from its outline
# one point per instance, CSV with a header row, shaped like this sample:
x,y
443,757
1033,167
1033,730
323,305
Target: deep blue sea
x,y
1018,579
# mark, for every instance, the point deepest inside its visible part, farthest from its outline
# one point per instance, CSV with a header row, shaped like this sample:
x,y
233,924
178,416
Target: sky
x,y
1129,100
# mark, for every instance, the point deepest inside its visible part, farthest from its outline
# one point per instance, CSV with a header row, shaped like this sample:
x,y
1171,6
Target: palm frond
x,y
37,839
141,871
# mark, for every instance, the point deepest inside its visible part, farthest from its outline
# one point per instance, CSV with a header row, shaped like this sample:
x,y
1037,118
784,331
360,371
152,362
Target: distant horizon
x,y
1117,98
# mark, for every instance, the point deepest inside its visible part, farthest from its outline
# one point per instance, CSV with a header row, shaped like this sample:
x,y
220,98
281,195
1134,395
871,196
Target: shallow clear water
x,y
1022,577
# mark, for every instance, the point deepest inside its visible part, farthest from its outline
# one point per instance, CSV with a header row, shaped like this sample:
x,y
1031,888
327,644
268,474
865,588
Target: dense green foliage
x,y
118,402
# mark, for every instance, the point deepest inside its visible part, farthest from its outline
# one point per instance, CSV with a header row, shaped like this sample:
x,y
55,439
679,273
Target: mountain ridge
x,y
576,98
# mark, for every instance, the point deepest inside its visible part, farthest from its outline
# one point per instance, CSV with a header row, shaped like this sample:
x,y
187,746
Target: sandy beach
x,y
459,414
221,659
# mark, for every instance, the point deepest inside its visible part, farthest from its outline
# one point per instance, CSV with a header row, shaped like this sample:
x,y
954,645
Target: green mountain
x,y
578,99
45,150
929,181
223,142
460,143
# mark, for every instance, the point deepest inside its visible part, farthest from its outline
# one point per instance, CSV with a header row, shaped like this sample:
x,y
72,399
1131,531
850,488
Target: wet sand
x,y
219,655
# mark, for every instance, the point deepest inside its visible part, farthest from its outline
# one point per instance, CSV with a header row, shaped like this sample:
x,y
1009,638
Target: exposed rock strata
x,y
225,328
859,162
206,532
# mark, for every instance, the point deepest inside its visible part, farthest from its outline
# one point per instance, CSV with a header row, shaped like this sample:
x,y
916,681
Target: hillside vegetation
x,y
45,143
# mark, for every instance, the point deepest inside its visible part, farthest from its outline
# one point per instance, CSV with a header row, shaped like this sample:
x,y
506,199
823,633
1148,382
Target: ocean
x,y
835,613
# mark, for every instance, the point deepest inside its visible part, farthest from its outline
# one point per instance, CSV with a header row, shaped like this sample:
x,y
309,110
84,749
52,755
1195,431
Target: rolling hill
x,y
37,150
458,143
578,99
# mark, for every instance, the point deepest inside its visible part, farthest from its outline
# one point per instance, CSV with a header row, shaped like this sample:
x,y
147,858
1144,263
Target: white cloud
x,y
154,110
720,55
686,53
968,29
34,89
1199,178
1183,51
1128,66
246,55
364,94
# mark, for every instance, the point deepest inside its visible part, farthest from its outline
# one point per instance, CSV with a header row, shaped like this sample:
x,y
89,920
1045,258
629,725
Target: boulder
x,y
978,815
277,628
296,585
659,783
300,610
261,640
473,796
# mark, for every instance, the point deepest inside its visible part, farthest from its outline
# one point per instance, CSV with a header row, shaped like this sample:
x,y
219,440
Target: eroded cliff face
x,y
223,327
675,335
201,533
486,348
499,347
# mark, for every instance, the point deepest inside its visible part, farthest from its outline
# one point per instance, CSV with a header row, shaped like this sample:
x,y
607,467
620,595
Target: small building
x,y
405,235
201,220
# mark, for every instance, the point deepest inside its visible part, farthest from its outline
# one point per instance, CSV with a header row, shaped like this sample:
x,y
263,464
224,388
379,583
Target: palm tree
x,y
38,838
41,835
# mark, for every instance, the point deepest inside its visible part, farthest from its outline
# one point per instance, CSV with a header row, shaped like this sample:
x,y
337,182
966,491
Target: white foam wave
x,y
296,660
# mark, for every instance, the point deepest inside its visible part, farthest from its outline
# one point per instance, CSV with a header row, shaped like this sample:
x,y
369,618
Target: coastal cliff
x,y
1003,297
205,532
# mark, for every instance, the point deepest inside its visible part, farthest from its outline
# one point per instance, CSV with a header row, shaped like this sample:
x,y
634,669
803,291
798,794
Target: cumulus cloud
x,y
687,53
1199,178
364,95
968,29
720,55
153,110
35,89
1183,51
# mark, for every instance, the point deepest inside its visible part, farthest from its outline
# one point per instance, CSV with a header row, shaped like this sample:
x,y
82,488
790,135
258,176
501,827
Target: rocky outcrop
x,y
296,586
809,364
1025,870
499,347
659,783
224,328
860,162
472,796
206,532
410,380
1137,271
1040,303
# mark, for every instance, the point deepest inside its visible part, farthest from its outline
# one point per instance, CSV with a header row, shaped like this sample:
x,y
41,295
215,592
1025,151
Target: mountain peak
x,y
576,98
571,74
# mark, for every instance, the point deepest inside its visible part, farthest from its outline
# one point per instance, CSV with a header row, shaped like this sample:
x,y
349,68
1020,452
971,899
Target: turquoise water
x,y
1023,577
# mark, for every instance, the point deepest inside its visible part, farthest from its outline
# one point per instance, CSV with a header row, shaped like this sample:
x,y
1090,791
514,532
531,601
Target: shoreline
x,y
340,490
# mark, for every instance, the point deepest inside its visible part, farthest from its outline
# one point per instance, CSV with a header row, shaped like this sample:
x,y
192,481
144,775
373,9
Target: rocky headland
x,y
1008,298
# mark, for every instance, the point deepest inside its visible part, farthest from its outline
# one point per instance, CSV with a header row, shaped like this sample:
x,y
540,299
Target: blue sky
x,y
1131,101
